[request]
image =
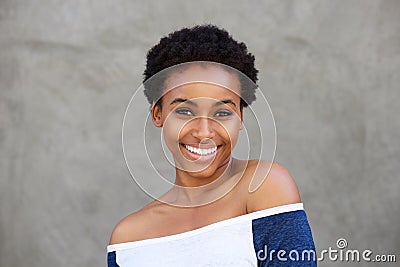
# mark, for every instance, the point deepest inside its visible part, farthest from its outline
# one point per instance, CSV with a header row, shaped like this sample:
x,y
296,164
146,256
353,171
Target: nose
x,y
203,128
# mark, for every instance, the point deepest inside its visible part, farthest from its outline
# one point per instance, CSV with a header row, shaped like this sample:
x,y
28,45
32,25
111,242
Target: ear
x,y
156,115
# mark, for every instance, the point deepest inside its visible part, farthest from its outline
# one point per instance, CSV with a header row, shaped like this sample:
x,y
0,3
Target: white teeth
x,y
201,151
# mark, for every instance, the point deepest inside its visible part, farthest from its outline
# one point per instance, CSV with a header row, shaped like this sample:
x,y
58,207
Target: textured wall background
x,y
330,70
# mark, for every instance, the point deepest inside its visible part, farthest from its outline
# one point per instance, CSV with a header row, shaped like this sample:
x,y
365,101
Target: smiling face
x,y
201,120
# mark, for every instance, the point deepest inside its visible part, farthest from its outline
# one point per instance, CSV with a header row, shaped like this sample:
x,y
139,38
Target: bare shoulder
x,y
129,228
278,187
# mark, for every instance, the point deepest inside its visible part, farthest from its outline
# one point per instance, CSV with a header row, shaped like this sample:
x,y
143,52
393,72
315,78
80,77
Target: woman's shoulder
x,y
269,184
276,187
130,227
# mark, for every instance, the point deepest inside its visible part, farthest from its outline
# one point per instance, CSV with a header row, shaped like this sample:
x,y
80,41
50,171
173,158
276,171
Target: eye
x,y
184,111
223,113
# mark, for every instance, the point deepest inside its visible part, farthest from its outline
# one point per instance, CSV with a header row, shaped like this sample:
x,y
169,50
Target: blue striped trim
x,y
112,259
286,231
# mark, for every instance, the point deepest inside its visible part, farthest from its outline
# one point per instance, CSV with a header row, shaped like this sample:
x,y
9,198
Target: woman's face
x,y
200,120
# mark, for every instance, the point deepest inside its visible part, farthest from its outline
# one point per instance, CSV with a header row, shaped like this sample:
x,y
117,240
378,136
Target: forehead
x,y
201,93
202,81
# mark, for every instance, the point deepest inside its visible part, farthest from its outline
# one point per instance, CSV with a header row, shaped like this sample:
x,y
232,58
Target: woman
x,y
209,217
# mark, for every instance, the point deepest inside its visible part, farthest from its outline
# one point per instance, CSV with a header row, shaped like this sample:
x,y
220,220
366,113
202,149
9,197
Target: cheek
x,y
229,131
172,129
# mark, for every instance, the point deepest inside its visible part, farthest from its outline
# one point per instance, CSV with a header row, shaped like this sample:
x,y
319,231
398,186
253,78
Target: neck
x,y
194,190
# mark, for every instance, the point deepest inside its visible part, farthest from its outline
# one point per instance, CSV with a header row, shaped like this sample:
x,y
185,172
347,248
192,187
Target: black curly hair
x,y
200,43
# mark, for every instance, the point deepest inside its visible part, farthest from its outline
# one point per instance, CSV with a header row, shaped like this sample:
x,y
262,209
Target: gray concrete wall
x,y
330,70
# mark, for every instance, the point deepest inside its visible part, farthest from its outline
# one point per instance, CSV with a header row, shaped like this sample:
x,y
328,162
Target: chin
x,y
206,173
197,170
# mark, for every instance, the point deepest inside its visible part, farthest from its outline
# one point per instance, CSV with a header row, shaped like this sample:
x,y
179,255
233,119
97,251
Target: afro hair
x,y
200,43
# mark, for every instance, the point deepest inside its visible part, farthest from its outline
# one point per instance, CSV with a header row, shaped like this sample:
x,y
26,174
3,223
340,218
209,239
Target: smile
x,y
200,151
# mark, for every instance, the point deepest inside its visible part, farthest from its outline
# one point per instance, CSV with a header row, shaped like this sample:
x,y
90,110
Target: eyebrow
x,y
182,100
222,102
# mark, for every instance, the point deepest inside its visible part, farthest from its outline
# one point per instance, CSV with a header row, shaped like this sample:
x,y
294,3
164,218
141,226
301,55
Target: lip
x,y
197,157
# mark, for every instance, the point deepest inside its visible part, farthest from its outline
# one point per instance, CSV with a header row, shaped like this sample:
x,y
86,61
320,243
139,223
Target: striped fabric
x,y
278,236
